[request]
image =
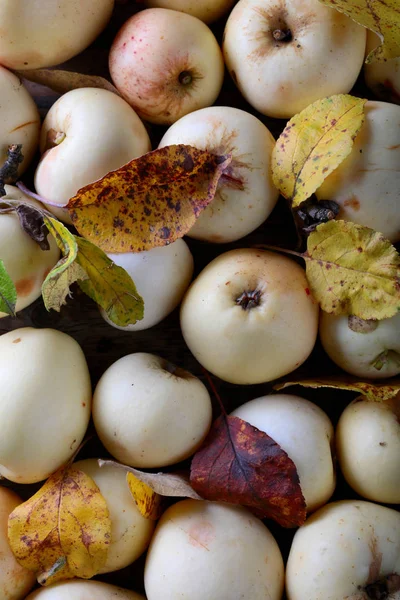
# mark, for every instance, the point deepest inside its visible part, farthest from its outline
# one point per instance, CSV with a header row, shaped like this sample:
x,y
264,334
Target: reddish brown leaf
x,y
240,464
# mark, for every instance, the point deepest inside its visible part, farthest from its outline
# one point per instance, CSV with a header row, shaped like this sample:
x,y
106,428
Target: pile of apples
x,y
247,318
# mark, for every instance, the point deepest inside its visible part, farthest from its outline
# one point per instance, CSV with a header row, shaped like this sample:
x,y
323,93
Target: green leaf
x,y
8,293
109,285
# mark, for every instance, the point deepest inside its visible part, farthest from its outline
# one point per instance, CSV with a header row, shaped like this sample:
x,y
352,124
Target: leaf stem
x,y
279,249
21,186
214,391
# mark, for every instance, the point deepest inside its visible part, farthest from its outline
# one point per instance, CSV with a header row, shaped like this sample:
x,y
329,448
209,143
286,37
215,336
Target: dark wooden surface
x,y
103,344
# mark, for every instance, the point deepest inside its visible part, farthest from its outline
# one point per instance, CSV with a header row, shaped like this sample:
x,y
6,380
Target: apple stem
x,y
9,170
214,391
282,35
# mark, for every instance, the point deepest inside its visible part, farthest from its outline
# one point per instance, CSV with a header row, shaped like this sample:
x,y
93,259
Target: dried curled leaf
x,y
240,464
147,501
314,143
353,270
64,530
32,222
381,16
375,390
64,81
8,292
151,201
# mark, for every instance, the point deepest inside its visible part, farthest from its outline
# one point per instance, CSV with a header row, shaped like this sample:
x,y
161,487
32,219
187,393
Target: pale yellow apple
x,y
382,77
249,317
285,54
366,184
166,64
246,195
206,10
43,33
79,589
86,134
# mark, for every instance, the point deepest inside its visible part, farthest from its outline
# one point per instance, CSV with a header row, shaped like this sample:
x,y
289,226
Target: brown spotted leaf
x,y
151,201
375,390
240,464
314,143
64,530
64,81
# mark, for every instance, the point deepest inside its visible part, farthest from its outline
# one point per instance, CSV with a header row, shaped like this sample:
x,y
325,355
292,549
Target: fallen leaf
x,y
165,484
67,271
151,201
64,81
382,17
8,293
32,222
240,464
64,530
353,270
375,390
314,143
147,501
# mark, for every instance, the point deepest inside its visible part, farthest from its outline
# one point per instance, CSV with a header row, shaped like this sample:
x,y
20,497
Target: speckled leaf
x,y
375,390
381,16
147,501
151,201
353,270
64,530
109,285
56,286
314,143
64,81
8,293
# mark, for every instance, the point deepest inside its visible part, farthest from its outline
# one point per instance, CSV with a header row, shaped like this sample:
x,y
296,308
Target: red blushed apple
x,y
166,64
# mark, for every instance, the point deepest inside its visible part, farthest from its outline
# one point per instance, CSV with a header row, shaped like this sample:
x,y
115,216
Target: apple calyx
x,y
249,299
185,78
282,35
384,588
359,325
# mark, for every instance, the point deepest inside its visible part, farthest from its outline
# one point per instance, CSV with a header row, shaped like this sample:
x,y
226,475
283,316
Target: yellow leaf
x,y
375,390
147,501
353,270
64,81
151,201
314,143
64,530
381,16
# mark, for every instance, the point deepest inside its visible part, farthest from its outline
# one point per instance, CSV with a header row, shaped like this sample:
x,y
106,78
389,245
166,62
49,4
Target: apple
x,y
166,64
206,10
79,589
283,55
305,432
382,77
19,118
43,33
25,262
212,551
366,183
130,531
367,349
150,413
249,317
86,134
346,550
45,402
15,581
171,267
368,446
246,195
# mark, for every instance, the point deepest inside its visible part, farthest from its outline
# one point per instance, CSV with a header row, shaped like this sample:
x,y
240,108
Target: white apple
x,y
382,77
78,589
19,118
130,531
170,268
305,433
348,550
206,10
166,64
86,133
25,262
366,184
249,317
45,402
43,33
246,195
368,349
368,446
149,412
212,551
284,54
15,581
